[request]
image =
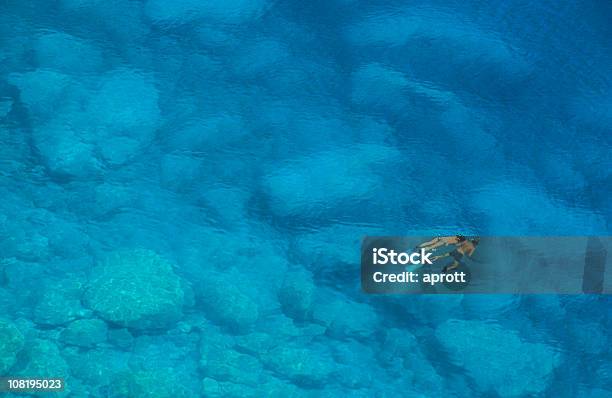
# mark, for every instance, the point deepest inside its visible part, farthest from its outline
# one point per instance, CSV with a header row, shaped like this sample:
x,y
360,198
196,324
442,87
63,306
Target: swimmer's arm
x,y
431,242
440,256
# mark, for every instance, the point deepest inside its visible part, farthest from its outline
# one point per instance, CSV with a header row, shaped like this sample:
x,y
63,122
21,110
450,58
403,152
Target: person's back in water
x,y
465,248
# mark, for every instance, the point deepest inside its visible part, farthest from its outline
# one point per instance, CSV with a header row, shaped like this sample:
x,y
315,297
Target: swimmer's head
x,y
475,241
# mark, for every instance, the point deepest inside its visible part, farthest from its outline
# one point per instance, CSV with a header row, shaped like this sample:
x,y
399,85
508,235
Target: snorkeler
x,y
465,248
442,241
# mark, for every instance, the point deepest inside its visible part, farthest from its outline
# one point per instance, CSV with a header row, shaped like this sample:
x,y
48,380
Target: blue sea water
x,y
185,184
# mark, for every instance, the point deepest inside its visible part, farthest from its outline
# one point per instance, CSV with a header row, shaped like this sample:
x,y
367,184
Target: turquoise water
x,y
185,185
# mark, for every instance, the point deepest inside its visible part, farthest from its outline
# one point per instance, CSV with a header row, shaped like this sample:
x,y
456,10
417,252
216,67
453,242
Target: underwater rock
x,y
60,135
81,127
184,11
28,247
114,23
159,383
16,149
310,366
262,57
197,136
306,129
65,53
80,4
179,171
589,337
226,304
44,360
604,374
214,36
257,343
331,242
270,387
97,366
111,198
354,361
593,111
230,204
397,344
530,207
124,114
401,355
229,365
64,151
379,88
68,240
121,338
497,359
136,289
588,392
224,367
215,340
283,328
169,350
546,306
313,185
214,389
490,306
44,92
442,46
11,343
8,303
6,104
84,332
344,318
296,295
60,303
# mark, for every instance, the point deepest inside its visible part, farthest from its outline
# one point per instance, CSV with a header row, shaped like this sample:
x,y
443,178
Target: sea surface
x,y
184,186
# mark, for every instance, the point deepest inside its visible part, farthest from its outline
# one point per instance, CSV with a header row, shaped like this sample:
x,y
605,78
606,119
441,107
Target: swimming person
x,y
465,248
442,241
